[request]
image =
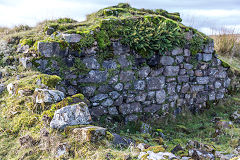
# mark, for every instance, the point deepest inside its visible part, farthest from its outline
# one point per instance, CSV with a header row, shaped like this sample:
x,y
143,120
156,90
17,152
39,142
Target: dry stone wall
x,y
128,85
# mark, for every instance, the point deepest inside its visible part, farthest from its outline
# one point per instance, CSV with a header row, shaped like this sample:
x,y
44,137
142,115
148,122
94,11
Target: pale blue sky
x,y
206,15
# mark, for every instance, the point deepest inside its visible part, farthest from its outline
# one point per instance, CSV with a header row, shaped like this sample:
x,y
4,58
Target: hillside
x,y
126,83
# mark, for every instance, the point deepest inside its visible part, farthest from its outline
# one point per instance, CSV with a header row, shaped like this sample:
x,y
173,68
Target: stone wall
x,y
126,84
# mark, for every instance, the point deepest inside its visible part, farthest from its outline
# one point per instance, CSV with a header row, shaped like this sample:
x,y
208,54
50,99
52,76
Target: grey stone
x,y
202,80
113,111
131,118
122,60
48,96
121,141
22,48
171,79
88,90
198,73
139,85
177,51
97,76
118,101
2,88
145,128
113,80
207,57
48,49
151,95
217,84
171,88
114,94
227,82
130,98
126,76
166,60
171,70
209,48
221,74
185,88
182,79
187,52
99,97
156,156
182,72
212,96
107,103
118,87
160,96
75,114
219,95
179,59
91,63
71,90
130,108
99,111
144,72
104,89
155,73
188,66
119,49
152,108
72,38
155,83
141,97
199,56
109,64
197,88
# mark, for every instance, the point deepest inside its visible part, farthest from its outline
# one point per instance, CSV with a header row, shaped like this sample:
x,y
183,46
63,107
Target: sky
x,y
208,16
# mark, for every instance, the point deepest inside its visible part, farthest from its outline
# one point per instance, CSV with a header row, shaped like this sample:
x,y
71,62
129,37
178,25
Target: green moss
x,y
80,96
50,80
28,42
102,39
109,136
155,149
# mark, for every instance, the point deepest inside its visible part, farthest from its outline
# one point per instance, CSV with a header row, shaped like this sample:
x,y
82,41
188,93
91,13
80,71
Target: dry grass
x,y
227,43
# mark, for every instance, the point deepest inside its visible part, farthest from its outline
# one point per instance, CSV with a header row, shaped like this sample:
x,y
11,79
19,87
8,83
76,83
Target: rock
x,y
145,128
98,111
118,87
76,114
155,83
61,150
166,60
11,88
107,103
130,98
177,51
171,70
202,80
122,60
118,101
197,88
97,76
153,61
142,146
131,118
88,90
119,49
193,145
114,94
141,97
177,149
224,124
71,90
209,48
199,154
72,38
109,64
152,108
156,156
2,88
139,85
187,52
188,66
99,97
89,133
155,73
160,96
91,63
207,57
22,48
25,92
130,108
179,59
121,141
113,80
126,76
48,49
144,72
104,89
199,56
182,79
50,31
236,116
48,96
113,111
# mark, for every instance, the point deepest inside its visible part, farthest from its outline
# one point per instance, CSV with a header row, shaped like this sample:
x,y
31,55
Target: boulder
x,y
200,154
71,38
76,114
48,96
156,156
26,62
22,48
48,49
121,141
90,133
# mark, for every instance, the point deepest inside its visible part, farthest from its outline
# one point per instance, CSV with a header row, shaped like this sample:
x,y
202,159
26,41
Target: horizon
x,y
202,15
